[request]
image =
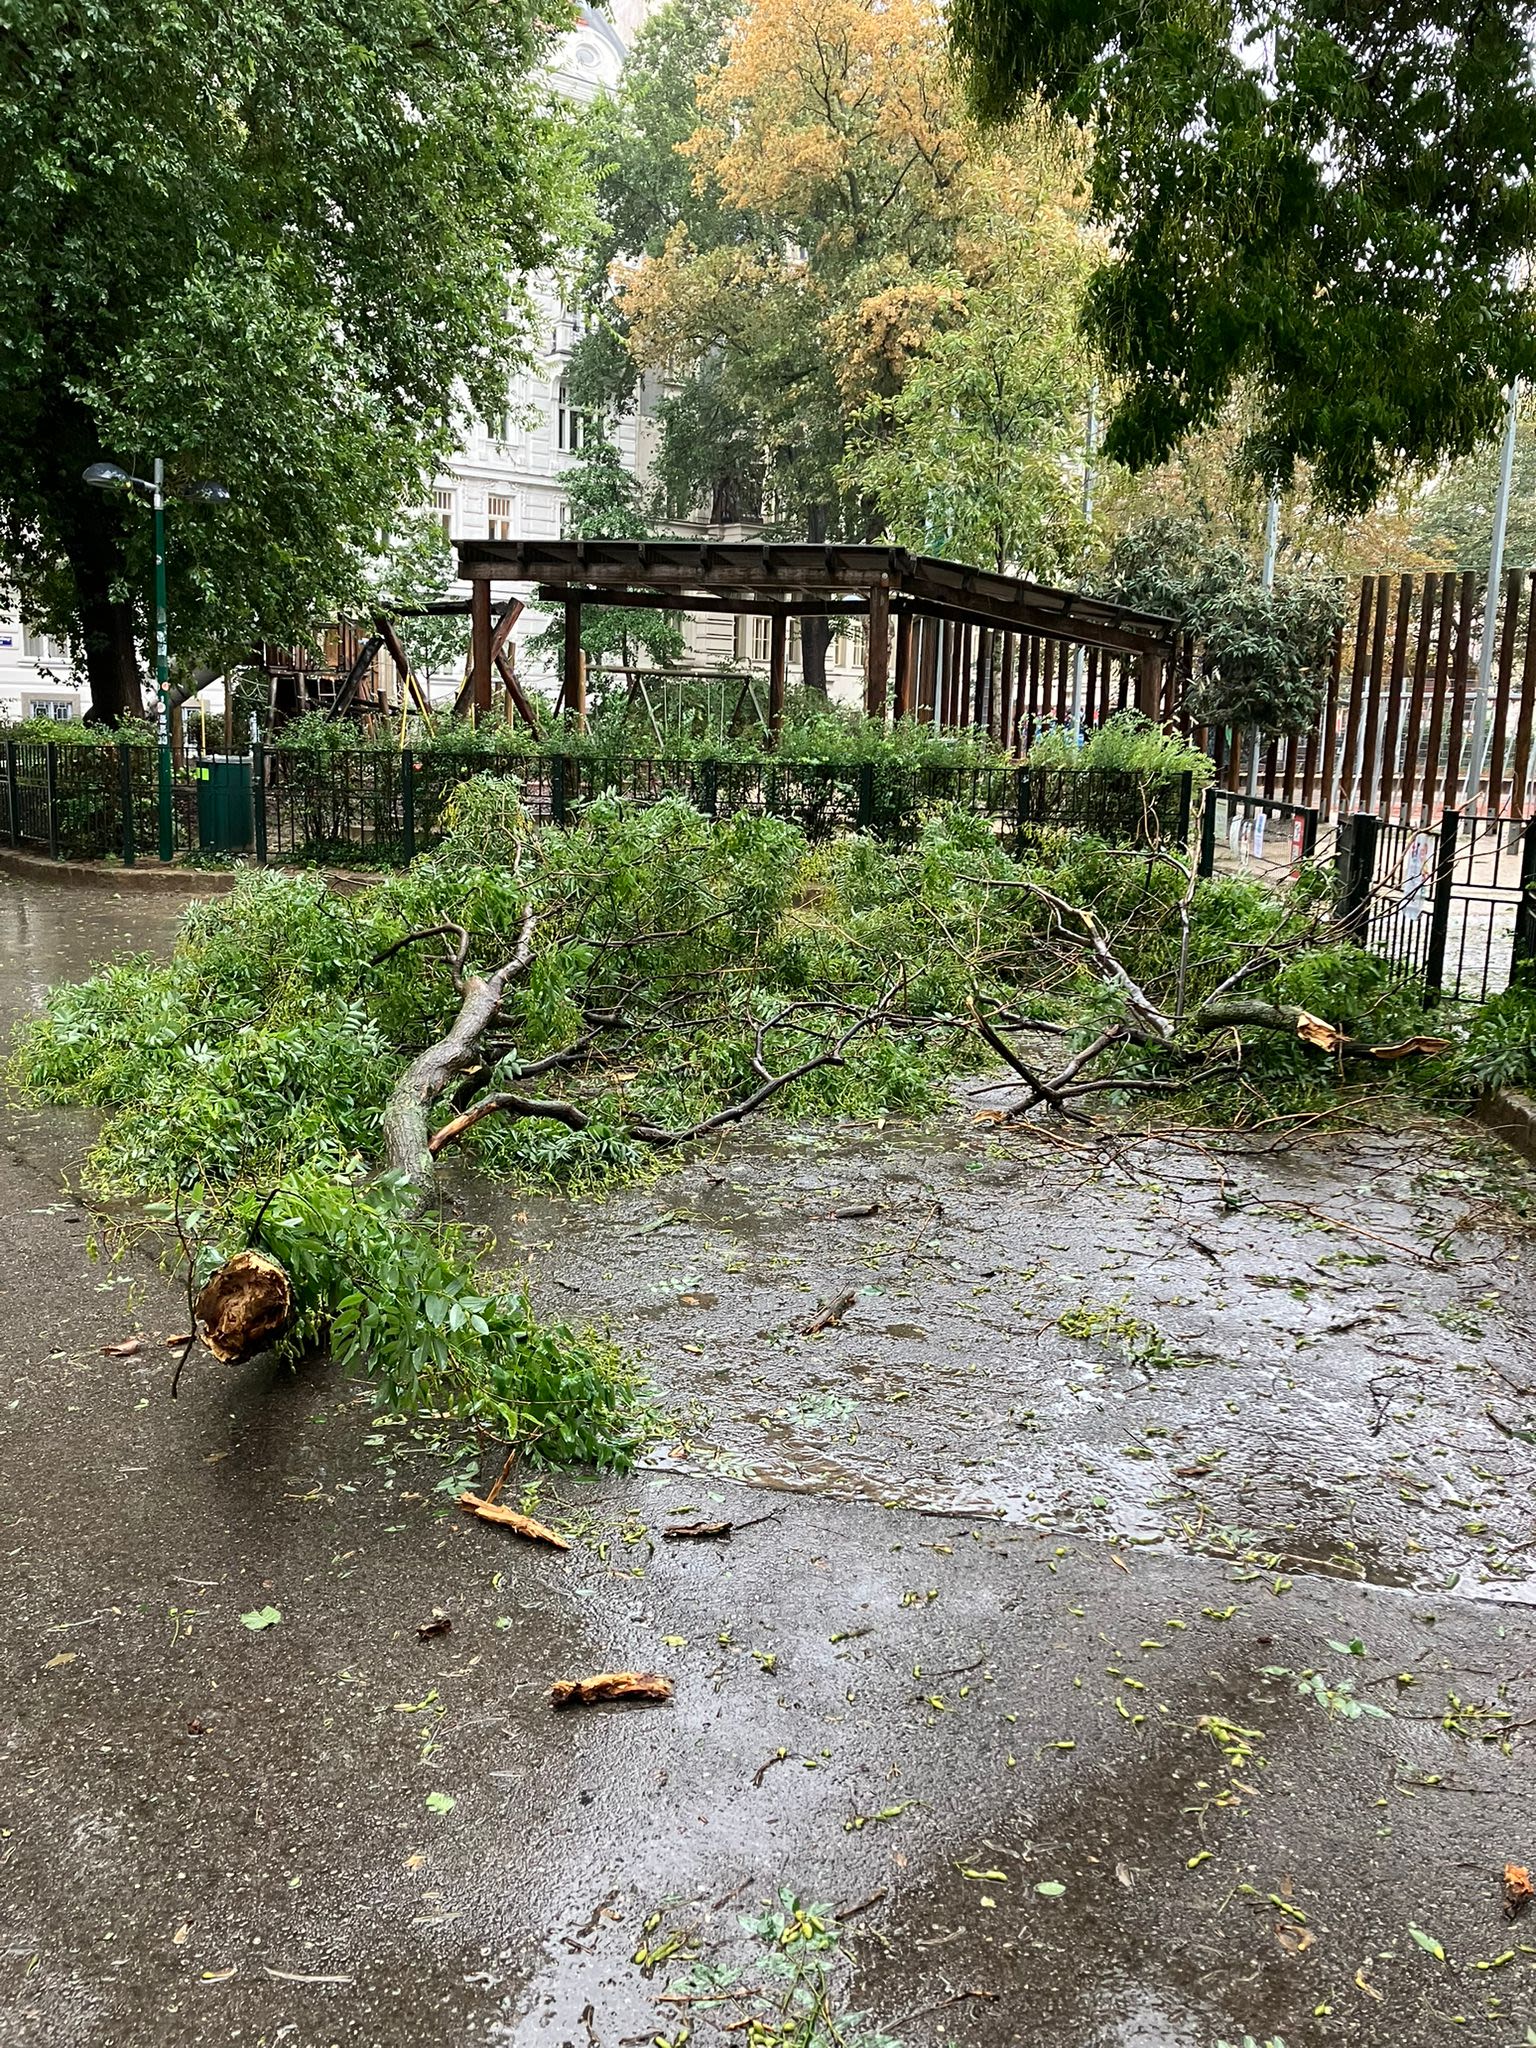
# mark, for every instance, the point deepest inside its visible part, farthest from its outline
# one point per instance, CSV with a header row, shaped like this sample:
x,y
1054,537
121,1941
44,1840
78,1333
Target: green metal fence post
x,y
1522,965
408,803
12,794
259,799
709,792
866,810
125,799
1207,866
557,789
51,783
1440,907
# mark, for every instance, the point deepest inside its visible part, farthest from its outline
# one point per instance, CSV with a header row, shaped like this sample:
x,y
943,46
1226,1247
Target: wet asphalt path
x,y
1187,1584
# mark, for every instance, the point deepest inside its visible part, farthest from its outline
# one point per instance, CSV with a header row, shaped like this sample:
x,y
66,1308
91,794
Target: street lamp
x,y
107,476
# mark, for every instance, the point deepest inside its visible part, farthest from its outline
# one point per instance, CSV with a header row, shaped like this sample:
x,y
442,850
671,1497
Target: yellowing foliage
x,y
832,110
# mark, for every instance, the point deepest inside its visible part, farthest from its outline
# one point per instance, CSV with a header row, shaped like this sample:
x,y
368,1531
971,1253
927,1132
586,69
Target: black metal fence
x,y
385,807
1451,904
1239,833
380,806
90,803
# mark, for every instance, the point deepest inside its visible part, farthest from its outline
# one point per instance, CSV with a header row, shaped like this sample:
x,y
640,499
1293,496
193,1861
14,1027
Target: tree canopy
x,y
271,247
1264,653
860,311
1334,202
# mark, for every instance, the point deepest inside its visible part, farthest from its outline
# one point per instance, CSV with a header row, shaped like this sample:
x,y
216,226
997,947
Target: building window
x,y
570,325
571,425
848,644
445,512
754,639
60,711
499,517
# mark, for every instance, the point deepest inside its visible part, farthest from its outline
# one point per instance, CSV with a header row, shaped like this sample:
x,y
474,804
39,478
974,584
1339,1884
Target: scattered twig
x,y
683,1532
831,1317
509,1518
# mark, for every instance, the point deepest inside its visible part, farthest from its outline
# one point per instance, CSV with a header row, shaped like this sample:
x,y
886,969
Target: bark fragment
x,y
609,1685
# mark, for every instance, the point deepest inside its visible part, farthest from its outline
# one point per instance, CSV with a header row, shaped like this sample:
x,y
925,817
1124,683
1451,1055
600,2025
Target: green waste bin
x,y
224,822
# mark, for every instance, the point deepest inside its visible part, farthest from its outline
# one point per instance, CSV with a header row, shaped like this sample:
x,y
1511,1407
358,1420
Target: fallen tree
x,y
573,1005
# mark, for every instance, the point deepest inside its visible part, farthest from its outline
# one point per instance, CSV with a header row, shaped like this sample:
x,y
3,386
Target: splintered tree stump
x,y
245,1307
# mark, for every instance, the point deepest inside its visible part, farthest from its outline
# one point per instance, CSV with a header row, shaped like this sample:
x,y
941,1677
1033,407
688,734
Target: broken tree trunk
x,y
245,1307
407,1118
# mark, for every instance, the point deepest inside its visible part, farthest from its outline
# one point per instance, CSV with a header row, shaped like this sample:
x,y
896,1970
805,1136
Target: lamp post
x,y
106,476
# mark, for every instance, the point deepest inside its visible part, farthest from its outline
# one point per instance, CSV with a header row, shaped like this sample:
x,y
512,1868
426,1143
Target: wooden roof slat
x,y
751,575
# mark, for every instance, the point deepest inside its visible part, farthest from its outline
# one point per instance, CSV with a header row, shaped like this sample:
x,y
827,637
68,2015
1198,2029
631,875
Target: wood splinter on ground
x,y
831,1317
686,1532
609,1685
509,1518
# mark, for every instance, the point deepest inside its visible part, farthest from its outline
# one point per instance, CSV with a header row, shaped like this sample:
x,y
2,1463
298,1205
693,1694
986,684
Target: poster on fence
x,y
1415,880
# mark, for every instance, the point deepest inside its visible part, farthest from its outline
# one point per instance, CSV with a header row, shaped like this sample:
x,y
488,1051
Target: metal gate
x,y
1453,905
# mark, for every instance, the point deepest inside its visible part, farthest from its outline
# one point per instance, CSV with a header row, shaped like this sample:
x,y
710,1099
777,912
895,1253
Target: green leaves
x,y
1427,1942
1265,652
260,1618
1286,202
273,246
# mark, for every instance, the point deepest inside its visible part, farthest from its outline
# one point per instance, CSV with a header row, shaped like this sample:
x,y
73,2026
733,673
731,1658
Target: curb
x,y
154,880
1512,1117
94,874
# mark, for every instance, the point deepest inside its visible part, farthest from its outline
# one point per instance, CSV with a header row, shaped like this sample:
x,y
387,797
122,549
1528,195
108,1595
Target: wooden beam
x,y
1149,683
501,632
905,634
353,681
573,687
977,611
515,690
409,687
480,657
877,653
804,566
778,665
747,605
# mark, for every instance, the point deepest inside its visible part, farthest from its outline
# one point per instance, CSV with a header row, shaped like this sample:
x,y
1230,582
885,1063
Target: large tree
x,y
270,246
802,224
1333,201
978,454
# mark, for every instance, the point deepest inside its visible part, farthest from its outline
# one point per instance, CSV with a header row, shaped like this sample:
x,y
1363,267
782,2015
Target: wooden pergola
x,y
963,638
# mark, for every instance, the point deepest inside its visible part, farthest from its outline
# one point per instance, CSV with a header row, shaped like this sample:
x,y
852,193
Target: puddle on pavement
x,y
52,932
1101,1346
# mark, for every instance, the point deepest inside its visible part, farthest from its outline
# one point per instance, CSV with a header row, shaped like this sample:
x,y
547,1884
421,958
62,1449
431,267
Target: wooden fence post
x,y
877,651
479,645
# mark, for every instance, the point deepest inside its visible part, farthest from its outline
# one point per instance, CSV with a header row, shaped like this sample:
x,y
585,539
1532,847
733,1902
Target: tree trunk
x,y
815,631
93,545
